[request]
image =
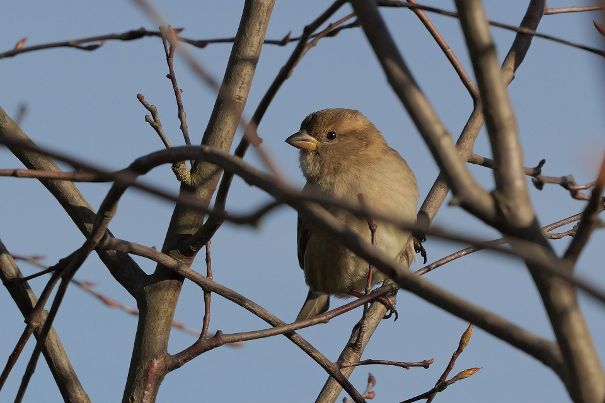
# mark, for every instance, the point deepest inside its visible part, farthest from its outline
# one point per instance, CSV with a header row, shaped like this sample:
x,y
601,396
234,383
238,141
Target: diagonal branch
x,y
511,190
163,289
449,53
472,197
209,228
212,286
589,219
521,30
56,357
512,61
121,266
585,382
293,197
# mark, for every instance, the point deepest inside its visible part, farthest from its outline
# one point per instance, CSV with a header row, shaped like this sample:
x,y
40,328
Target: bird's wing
x,y
303,233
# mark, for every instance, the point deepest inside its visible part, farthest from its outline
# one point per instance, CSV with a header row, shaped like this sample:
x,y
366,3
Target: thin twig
x,y
65,266
574,9
566,182
169,39
293,197
465,339
88,288
207,293
203,345
443,385
154,119
522,30
34,321
447,50
589,219
212,224
95,42
208,79
401,364
472,249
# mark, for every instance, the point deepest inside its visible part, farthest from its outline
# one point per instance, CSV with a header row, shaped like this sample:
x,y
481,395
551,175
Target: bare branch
x,y
56,357
566,182
162,292
207,294
401,364
202,345
95,42
154,120
574,9
472,249
440,387
449,53
513,60
121,266
49,174
233,296
442,383
359,339
528,251
589,219
585,382
89,288
511,191
169,40
472,197
521,30
212,225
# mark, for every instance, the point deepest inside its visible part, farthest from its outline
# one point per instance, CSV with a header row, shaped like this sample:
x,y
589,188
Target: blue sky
x,y
85,103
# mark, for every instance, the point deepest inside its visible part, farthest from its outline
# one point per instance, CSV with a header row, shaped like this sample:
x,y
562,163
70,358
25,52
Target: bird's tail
x,y
315,304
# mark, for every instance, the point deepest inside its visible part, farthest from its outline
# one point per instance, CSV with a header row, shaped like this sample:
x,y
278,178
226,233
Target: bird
x,y
343,155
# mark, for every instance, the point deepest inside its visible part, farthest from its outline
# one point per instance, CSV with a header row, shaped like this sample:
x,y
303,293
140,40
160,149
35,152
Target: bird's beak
x,y
303,141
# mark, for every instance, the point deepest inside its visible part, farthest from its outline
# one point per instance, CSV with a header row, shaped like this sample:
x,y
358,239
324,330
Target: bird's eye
x,y
331,135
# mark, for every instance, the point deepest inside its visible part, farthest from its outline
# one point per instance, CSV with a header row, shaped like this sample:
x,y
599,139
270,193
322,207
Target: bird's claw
x,y
391,308
418,247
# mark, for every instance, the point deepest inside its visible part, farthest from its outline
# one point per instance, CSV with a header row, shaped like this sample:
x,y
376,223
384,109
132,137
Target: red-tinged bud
x,y
371,380
21,43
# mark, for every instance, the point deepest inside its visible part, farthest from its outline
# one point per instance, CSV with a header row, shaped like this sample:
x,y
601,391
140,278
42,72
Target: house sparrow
x,y
342,154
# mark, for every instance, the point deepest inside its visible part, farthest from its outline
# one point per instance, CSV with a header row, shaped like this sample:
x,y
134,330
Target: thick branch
x,y
585,382
511,190
439,141
206,232
121,266
471,130
212,286
56,357
163,289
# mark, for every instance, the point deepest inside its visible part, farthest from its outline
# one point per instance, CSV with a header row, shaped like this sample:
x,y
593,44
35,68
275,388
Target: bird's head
x,y
333,140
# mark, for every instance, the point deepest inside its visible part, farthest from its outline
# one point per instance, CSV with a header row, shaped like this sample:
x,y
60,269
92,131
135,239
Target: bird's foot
x,y
418,247
388,302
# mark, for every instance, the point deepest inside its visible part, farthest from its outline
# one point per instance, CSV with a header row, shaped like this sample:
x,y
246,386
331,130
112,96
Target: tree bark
x,y
161,290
